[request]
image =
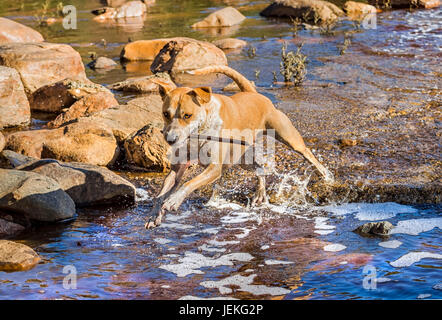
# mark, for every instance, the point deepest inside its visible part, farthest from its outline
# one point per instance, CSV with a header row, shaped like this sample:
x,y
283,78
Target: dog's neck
x,y
211,122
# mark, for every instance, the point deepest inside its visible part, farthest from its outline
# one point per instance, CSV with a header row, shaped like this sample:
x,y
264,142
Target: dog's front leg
x,y
209,175
169,185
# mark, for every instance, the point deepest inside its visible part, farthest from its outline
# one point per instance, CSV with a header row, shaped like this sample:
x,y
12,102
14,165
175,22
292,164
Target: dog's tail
x,y
240,80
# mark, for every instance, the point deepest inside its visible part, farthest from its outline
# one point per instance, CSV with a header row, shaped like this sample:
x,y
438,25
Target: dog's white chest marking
x,y
212,122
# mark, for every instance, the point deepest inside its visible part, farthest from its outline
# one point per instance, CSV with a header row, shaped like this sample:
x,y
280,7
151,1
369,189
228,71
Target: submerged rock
x,y
44,63
126,10
308,10
381,228
37,197
86,184
225,17
11,31
16,256
14,105
147,148
187,54
102,63
144,49
143,84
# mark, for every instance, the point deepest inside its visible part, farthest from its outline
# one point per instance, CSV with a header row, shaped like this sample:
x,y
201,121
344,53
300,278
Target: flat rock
x,y
225,17
14,105
43,63
308,10
16,256
187,54
11,31
37,197
142,84
86,184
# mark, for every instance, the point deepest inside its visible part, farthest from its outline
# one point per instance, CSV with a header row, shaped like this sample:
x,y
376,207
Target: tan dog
x,y
188,112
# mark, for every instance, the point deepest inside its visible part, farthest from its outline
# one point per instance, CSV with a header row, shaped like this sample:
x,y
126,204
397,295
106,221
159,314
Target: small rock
x,y
126,10
347,142
16,256
11,31
102,63
381,228
225,17
230,43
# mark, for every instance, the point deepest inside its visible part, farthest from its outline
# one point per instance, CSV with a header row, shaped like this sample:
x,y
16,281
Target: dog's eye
x,y
187,116
166,114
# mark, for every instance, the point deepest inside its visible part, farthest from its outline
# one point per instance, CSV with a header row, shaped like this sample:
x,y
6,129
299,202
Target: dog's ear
x,y
202,94
164,87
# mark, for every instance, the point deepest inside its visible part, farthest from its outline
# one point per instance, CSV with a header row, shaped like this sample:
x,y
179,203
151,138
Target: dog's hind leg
x,y
287,133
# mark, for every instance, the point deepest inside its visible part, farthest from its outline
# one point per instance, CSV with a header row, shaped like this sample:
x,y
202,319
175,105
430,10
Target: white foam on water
x,y
162,240
244,284
192,262
392,244
343,262
241,217
178,217
320,224
369,211
324,232
165,286
211,298
416,226
413,257
265,247
424,296
141,195
249,270
334,247
205,247
221,203
221,243
178,226
274,262
382,280
214,230
438,286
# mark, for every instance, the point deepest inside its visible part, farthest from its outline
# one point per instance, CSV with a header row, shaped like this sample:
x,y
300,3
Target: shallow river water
x,y
221,248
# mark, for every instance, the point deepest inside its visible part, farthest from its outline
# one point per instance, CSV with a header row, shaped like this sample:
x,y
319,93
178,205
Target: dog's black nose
x,y
171,139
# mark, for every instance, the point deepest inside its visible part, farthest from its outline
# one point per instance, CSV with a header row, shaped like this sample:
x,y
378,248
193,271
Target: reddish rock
x,y
16,256
40,64
225,17
11,31
2,142
144,49
358,10
14,106
126,10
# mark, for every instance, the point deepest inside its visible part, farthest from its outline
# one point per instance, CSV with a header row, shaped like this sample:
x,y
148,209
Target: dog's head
x,y
183,111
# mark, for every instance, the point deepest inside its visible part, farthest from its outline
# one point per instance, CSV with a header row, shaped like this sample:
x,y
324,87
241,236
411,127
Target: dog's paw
x,y
153,223
259,198
174,201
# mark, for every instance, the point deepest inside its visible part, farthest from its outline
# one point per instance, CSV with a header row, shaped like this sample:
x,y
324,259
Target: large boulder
x,y
187,54
63,94
86,184
14,105
307,10
141,50
225,17
84,107
147,148
11,31
144,84
126,10
357,10
37,197
16,256
40,64
86,142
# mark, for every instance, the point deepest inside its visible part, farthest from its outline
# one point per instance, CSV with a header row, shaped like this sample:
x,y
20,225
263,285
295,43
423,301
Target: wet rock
x,y
11,31
144,49
142,84
230,43
126,10
225,17
357,10
44,63
37,197
381,228
9,228
405,4
84,107
147,148
308,10
14,106
16,256
87,142
102,63
86,184
62,94
187,54
347,142
2,141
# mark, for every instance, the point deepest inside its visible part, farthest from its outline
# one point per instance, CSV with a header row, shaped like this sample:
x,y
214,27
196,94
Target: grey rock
x,y
381,228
